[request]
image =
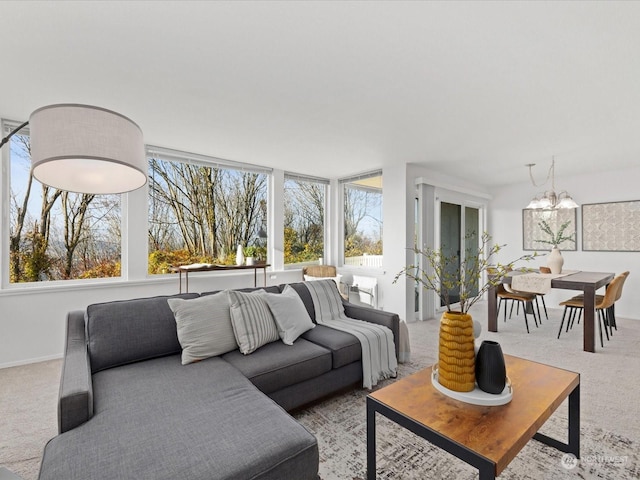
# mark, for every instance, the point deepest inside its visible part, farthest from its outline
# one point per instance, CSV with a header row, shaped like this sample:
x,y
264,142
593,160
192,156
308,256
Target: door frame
x,y
430,198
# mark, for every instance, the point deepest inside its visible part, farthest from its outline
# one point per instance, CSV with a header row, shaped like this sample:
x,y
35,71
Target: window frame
x,y
342,182
325,230
172,155
7,126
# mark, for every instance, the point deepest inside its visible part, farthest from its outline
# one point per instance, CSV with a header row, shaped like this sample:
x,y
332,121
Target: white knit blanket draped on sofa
x,y
378,350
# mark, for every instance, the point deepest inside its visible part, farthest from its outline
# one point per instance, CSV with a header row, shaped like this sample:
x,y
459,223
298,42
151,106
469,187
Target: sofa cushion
x,y
277,365
128,331
159,420
345,348
253,324
204,326
289,313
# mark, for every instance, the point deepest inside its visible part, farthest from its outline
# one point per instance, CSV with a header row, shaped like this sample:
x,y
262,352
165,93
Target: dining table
x,y
586,282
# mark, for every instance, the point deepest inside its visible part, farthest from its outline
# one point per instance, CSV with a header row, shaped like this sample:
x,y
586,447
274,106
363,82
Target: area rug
x,y
339,424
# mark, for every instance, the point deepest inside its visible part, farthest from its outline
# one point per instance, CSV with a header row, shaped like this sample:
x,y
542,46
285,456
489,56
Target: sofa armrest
x,y
380,317
75,399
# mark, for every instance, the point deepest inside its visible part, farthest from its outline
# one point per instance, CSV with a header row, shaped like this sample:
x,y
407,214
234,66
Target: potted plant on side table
x,y
249,254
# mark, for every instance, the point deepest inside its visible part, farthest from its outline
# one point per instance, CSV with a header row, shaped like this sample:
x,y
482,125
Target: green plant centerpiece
x,y
554,259
469,279
558,237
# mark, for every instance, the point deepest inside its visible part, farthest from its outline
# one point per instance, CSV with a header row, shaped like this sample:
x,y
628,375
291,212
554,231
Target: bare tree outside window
x,y
200,213
58,235
303,221
363,222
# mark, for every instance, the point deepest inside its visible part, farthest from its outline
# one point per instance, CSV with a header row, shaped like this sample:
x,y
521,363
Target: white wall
x,y
505,225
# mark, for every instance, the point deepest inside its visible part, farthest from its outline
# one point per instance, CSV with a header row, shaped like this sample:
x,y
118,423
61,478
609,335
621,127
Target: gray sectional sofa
x,y
129,409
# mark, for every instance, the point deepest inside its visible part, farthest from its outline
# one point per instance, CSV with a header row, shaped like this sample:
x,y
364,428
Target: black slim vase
x,y
491,373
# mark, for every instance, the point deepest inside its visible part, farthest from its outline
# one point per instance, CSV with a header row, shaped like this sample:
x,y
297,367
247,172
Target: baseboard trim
x,y
30,361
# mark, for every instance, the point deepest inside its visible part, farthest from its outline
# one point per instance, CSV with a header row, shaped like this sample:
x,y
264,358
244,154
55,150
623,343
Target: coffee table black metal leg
x,y
574,422
487,473
574,428
371,440
486,468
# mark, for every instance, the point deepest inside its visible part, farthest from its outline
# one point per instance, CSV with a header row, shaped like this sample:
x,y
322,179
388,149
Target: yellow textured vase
x,y
456,354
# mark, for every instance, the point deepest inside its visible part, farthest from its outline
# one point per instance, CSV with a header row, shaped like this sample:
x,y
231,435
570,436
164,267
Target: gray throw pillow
x,y
289,313
252,322
204,326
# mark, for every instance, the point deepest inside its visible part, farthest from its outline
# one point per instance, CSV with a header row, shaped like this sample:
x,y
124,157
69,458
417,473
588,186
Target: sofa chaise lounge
x,y
128,408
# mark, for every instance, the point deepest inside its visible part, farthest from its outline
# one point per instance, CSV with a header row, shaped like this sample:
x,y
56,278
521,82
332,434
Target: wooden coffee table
x,y
487,438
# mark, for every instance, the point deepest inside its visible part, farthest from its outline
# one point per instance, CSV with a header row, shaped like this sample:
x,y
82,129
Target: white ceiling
x,y
472,89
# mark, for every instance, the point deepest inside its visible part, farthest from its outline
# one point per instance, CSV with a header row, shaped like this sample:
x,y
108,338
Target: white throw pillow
x,y
337,278
204,326
290,314
251,319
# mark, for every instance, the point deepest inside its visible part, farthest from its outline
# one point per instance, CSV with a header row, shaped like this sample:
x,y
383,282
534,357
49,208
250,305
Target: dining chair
x,y
611,312
520,297
525,299
537,295
573,305
541,295
612,309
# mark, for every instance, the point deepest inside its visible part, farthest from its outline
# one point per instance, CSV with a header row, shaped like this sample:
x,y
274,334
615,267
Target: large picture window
x,y
304,206
200,210
55,234
363,220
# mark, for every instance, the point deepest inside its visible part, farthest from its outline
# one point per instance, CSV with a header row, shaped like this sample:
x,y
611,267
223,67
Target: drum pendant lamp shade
x,y
86,149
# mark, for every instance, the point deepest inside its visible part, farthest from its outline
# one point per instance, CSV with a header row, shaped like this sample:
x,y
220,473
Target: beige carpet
x,y
610,420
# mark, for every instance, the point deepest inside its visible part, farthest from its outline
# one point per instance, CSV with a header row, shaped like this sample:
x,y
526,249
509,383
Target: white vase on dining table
x,y
555,260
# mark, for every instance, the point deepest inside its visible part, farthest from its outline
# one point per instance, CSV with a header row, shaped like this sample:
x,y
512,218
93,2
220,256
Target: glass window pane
x,y
303,222
200,214
363,222
471,239
450,220
55,234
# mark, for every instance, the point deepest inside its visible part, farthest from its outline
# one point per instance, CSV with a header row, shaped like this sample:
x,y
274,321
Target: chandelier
x,y
550,200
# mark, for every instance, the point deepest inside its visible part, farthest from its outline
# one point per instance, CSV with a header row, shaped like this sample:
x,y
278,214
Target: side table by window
x,y
186,269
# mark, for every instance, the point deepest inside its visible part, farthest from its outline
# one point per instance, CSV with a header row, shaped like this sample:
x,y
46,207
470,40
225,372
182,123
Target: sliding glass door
x,y
452,221
459,239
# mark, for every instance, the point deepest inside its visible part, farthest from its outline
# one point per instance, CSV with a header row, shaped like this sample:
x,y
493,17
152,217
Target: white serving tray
x,y
476,396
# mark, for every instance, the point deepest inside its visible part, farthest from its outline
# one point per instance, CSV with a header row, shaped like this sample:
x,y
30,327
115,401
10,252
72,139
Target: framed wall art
x,y
533,233
611,227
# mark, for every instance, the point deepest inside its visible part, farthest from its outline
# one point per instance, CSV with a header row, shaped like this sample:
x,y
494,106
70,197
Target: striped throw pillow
x,y
252,322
